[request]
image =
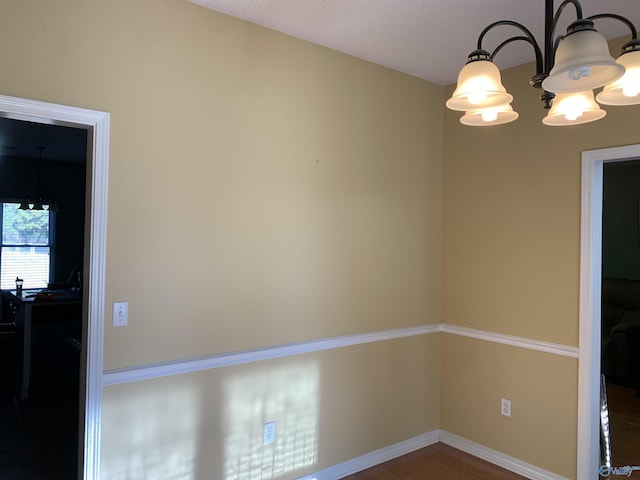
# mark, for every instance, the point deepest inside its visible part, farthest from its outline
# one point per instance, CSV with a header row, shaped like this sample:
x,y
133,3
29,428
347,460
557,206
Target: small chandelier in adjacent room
x,y
38,203
568,71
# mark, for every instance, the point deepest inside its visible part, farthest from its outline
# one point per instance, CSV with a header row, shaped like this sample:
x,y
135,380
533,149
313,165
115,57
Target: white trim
x,y
98,136
520,342
147,372
590,285
374,458
382,455
496,458
158,370
96,297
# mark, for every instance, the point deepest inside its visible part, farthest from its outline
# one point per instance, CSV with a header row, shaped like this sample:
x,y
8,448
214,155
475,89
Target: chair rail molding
x,y
512,340
164,369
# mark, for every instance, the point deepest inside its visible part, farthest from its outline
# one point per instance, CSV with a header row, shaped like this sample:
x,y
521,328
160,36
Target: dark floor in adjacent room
x,y
624,423
39,438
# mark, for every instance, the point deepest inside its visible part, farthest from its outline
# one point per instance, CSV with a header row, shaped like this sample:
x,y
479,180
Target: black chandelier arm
x,y
551,43
551,57
539,61
528,37
561,8
626,21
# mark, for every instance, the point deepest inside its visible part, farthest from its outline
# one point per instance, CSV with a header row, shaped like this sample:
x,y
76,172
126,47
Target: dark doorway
x,y
40,426
620,325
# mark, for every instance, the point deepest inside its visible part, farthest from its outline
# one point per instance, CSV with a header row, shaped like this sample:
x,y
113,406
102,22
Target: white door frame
x,y
590,289
97,125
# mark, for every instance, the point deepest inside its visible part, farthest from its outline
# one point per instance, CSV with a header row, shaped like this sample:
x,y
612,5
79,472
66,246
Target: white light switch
x,y
505,407
120,314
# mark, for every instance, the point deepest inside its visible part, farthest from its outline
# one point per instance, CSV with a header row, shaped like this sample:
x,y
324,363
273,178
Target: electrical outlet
x,y
505,407
269,432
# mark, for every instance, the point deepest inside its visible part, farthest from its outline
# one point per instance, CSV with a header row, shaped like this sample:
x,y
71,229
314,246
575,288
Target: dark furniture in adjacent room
x,y
621,331
48,321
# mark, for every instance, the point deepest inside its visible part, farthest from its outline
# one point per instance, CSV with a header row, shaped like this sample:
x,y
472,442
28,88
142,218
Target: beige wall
x,y
541,387
262,191
511,241
329,407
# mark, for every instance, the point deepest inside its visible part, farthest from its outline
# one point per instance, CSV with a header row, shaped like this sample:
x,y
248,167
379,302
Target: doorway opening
x,y
590,303
96,124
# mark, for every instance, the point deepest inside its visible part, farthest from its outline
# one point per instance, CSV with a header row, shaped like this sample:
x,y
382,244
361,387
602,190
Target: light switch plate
x,y
120,314
505,407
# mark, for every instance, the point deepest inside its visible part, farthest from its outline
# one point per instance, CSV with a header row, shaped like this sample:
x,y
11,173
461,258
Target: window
x,y
26,246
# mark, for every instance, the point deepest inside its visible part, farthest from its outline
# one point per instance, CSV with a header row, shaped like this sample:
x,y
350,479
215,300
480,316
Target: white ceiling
x,y
429,39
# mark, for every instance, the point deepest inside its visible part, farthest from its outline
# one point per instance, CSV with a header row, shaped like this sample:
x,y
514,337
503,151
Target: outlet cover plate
x,y
269,432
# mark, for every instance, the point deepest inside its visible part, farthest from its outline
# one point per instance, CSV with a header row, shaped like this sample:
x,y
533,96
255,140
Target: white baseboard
x,y
500,459
374,458
377,457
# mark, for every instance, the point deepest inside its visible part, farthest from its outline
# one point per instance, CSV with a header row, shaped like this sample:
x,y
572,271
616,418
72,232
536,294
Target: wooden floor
x,y
436,462
624,418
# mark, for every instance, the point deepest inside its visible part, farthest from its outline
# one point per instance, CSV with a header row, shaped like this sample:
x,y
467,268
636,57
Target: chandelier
x,y
568,70
38,203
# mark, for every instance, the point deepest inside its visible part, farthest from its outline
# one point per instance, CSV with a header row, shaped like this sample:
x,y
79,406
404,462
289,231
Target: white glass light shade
x,y
582,62
625,90
479,86
489,116
573,109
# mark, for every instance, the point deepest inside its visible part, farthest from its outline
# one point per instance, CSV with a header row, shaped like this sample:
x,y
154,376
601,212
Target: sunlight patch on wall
x,y
287,396
155,449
